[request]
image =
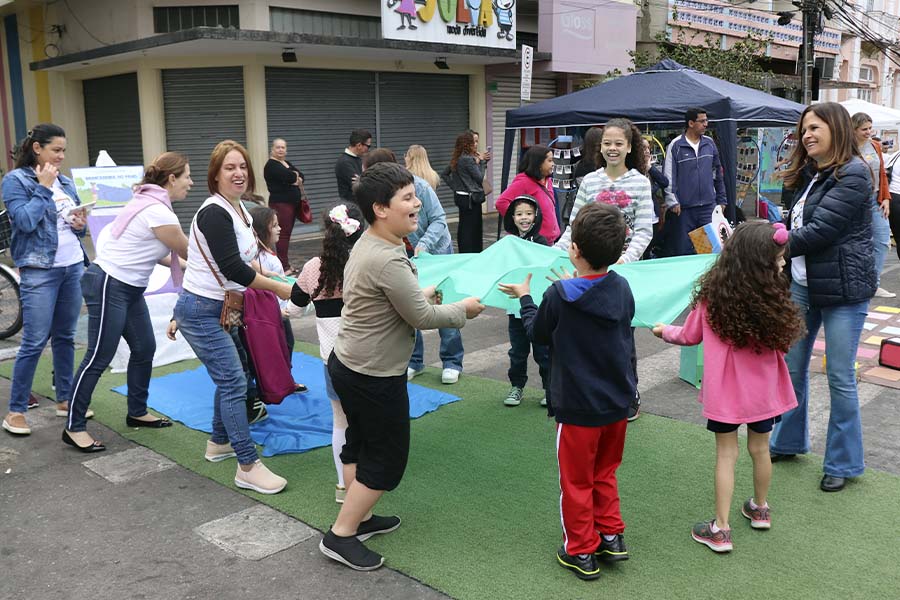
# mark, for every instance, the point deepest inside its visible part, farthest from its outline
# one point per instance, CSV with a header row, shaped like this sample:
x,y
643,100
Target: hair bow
x,y
781,234
339,215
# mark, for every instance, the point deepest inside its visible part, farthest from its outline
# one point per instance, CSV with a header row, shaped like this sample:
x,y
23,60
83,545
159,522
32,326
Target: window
x,y
865,95
176,18
865,74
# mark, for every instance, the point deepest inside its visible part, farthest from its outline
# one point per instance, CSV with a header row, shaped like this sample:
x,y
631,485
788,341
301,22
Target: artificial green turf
x,y
479,504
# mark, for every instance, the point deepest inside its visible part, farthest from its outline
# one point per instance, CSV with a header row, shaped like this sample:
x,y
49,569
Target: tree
x,y
738,64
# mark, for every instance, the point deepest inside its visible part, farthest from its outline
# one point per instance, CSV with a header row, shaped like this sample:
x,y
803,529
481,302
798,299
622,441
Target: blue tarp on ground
x,y
300,423
659,95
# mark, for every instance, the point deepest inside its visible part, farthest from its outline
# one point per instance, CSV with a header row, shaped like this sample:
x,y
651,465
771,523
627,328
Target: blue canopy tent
x,y
659,95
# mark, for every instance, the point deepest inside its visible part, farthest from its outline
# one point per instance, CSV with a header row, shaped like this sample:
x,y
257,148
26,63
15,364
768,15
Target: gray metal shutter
x,y
203,107
315,111
506,97
425,109
113,118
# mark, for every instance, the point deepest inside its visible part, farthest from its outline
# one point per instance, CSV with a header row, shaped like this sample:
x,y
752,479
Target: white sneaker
x,y
410,372
544,400
449,376
259,479
883,293
218,452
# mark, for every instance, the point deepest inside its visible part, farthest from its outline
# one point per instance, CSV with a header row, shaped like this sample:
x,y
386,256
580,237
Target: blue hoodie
x,y
587,324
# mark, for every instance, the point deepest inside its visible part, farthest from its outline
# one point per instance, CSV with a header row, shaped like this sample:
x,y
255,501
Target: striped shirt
x,y
631,193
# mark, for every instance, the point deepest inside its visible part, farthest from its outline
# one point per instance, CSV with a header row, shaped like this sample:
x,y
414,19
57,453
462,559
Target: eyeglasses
x,y
367,145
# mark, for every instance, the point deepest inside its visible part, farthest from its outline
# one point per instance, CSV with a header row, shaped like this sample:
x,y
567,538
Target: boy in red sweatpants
x,y
586,321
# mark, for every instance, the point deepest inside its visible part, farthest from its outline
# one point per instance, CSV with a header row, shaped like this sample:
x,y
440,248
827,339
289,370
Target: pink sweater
x,y
739,385
523,185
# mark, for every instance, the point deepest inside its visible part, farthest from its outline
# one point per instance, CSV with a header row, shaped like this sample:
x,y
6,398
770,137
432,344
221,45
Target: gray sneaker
x,y
514,397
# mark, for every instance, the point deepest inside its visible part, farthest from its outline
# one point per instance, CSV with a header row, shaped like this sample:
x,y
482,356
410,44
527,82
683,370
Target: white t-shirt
x,y
270,263
68,248
798,263
694,145
132,256
895,173
198,279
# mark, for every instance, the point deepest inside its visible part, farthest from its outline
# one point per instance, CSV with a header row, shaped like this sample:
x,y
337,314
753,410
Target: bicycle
x,y
10,297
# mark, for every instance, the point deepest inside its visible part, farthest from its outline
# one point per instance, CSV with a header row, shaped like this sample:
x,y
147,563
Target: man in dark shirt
x,y
348,167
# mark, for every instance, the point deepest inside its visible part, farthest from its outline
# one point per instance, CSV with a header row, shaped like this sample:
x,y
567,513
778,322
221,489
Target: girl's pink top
x,y
740,385
523,185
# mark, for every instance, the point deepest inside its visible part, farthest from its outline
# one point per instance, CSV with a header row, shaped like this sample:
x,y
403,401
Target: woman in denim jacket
x,y
47,227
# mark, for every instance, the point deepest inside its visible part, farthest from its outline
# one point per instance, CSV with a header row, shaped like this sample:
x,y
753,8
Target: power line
x,y
86,30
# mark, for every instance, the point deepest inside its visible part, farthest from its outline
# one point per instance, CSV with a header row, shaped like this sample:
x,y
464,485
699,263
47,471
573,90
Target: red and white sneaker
x,y
759,516
719,541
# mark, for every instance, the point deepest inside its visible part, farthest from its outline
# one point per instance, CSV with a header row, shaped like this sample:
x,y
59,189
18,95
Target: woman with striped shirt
x,y
619,181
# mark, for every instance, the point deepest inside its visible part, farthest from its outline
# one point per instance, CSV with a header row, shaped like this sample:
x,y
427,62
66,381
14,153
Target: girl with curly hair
x,y
321,281
743,313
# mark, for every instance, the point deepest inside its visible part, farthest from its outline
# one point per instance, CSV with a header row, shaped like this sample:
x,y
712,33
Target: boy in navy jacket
x,y
586,320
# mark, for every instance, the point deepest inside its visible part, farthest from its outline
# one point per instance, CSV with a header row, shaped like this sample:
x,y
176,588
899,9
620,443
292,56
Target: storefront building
x,y
139,78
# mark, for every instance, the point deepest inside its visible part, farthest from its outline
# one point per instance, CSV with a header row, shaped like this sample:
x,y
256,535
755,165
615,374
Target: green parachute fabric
x,y
661,287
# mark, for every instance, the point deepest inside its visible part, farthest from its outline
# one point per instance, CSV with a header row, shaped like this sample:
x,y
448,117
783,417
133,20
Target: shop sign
x,y
486,23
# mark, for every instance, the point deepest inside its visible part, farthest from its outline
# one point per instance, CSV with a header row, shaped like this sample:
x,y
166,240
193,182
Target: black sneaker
x,y
613,550
350,551
375,525
583,565
256,412
634,409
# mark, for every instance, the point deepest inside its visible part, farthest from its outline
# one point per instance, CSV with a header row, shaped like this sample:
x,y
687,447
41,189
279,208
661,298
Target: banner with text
x,y
484,23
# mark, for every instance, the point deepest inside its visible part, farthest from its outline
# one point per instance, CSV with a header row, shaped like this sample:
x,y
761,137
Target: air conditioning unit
x,y
825,66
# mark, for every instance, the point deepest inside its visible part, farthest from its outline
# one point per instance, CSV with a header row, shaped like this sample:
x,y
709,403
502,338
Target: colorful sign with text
x,y
484,23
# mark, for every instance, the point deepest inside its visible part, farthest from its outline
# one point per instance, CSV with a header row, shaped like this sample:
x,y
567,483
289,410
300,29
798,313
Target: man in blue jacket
x,y
697,182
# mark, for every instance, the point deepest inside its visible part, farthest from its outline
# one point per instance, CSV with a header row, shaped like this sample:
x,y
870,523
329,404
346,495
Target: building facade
x,y
141,77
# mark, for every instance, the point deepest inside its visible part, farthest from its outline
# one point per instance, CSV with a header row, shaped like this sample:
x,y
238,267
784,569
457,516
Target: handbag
x,y
304,213
263,339
233,305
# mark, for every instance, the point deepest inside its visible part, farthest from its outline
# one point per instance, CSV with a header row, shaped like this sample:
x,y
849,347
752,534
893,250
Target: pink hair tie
x,y
781,234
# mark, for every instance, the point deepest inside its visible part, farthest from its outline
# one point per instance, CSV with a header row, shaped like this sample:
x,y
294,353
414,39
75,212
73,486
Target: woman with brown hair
x,y
145,233
222,245
464,175
833,273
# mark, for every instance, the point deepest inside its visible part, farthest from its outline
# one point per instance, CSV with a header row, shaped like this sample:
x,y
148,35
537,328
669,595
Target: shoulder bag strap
x,y
203,254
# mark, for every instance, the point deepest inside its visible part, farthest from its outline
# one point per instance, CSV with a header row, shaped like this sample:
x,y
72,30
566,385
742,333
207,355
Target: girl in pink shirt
x,y
743,314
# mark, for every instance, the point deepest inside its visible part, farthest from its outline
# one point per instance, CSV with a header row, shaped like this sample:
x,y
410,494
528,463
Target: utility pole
x,y
810,11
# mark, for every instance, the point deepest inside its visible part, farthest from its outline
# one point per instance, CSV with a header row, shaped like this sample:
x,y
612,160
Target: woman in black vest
x,y
833,273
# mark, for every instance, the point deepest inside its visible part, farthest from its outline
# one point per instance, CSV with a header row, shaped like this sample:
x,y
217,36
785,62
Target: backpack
x,y
263,339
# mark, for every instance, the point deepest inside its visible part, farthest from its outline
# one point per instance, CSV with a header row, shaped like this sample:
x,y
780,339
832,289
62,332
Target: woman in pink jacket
x,y
534,180
744,316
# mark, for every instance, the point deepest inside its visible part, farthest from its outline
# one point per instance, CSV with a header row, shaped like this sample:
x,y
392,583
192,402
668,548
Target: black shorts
x,y
764,426
377,410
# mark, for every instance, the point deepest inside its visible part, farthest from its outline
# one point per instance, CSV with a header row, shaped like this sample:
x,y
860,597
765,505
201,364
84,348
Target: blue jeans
x,y
451,351
198,320
881,235
115,310
51,302
843,445
519,345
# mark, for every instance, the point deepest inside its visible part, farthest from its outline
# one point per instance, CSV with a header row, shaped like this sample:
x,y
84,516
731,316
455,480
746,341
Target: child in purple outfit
x,y
743,314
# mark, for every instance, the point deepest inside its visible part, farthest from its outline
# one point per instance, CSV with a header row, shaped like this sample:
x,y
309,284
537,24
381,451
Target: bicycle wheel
x,y
10,306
